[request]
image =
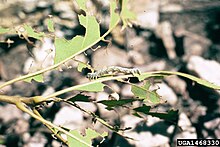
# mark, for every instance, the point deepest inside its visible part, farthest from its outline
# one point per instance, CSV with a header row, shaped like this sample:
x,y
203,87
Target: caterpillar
x,y
112,70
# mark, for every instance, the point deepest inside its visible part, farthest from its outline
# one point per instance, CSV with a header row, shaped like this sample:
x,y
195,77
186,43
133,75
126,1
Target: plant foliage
x,y
66,50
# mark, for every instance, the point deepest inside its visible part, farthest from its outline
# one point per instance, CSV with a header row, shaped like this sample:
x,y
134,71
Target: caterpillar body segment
x,y
112,70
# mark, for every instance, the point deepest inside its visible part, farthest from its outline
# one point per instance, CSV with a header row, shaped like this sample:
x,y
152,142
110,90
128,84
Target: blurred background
x,y
173,35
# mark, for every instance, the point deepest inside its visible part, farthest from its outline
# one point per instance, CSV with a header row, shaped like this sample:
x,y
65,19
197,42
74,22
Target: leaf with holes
x,y
70,48
66,48
90,134
82,65
92,30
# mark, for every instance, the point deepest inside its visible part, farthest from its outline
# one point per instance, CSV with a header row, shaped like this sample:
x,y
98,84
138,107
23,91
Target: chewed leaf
x,y
81,66
50,25
92,30
114,16
114,103
82,20
32,33
126,14
90,134
66,48
4,30
92,87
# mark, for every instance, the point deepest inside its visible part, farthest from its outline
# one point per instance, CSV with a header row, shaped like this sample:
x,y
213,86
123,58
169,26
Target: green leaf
x,y
65,48
92,30
90,134
139,92
32,33
68,49
153,97
114,17
171,115
142,93
50,25
82,4
82,65
147,84
92,87
38,78
126,14
144,109
114,103
4,30
138,115
80,97
82,20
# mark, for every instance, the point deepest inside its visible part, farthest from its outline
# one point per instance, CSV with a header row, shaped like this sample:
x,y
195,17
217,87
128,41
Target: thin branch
x,y
51,129
91,114
23,108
